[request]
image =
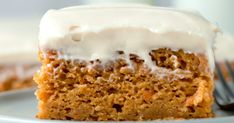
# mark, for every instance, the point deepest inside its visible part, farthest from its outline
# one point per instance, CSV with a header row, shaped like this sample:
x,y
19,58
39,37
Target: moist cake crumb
x,y
17,76
70,90
125,63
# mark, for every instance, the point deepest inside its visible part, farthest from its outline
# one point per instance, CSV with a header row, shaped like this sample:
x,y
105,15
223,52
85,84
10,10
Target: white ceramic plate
x,y
20,107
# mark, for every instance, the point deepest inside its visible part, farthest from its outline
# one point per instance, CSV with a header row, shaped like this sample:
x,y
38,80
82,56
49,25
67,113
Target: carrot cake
x,y
18,53
17,65
123,63
17,76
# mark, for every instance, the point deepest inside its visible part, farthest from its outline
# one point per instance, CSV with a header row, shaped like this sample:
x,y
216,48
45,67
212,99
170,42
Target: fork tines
x,y
224,95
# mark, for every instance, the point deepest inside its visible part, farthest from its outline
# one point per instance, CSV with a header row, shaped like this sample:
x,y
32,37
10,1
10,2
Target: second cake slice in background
x,y
18,53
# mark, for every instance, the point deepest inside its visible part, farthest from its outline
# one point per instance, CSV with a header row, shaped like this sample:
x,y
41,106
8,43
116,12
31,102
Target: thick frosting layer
x,y
91,32
18,40
18,52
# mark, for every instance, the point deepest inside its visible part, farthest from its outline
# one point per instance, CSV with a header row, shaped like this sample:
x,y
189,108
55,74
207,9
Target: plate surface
x,y
20,107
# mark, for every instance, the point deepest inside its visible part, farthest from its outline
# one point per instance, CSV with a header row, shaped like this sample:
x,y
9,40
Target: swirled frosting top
x,y
91,32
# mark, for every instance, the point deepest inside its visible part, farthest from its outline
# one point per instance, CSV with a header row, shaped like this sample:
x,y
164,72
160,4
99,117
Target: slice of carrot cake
x,y
18,64
125,63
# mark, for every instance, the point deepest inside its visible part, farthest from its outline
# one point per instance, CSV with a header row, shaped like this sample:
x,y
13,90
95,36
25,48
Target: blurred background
x,y
19,26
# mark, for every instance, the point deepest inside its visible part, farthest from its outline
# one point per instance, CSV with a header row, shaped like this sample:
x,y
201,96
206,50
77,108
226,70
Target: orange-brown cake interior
x,y
180,86
17,76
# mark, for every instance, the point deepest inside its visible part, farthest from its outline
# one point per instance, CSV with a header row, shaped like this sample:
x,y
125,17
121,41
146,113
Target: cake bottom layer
x,y
179,87
17,76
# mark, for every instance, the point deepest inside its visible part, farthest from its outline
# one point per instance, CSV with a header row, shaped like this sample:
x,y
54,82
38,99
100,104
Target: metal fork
x,y
224,91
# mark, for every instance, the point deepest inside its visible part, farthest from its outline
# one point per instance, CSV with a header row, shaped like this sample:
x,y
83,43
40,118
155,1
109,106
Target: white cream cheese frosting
x,y
96,32
18,40
17,52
